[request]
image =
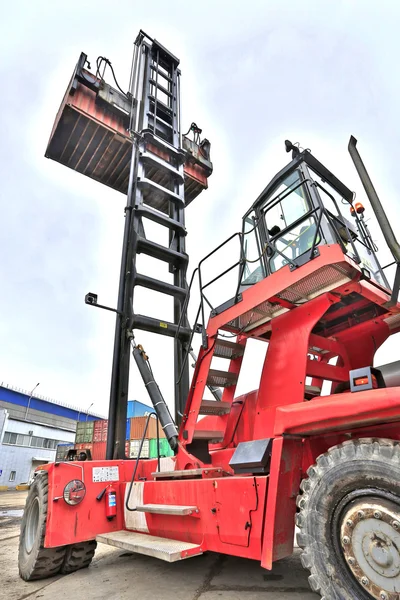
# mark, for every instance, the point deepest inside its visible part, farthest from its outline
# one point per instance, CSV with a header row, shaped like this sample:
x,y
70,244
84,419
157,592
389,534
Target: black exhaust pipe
x,y
380,214
391,373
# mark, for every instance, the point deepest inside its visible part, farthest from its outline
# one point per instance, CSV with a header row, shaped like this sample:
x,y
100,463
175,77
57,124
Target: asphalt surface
x,y
119,575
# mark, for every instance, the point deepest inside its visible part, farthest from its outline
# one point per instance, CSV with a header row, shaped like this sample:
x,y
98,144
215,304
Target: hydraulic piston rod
x,y
156,397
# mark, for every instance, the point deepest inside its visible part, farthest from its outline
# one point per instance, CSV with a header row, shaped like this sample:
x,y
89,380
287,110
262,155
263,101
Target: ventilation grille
x,y
323,280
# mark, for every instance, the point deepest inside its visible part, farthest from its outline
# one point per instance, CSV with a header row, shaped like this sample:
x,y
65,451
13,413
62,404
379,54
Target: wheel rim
x,y
370,542
32,523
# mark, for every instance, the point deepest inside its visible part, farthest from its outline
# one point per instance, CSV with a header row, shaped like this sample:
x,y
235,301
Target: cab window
x,y
289,205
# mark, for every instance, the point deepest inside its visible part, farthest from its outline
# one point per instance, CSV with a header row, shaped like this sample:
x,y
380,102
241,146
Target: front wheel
x,y
34,560
349,520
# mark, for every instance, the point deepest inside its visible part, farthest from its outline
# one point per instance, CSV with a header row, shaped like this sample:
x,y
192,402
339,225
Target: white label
x,y
105,474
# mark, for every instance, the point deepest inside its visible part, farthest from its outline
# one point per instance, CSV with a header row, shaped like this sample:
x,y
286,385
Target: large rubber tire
x,y
78,556
34,560
341,480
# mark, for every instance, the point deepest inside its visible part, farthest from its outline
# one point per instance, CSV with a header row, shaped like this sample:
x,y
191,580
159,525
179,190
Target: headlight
x,y
74,492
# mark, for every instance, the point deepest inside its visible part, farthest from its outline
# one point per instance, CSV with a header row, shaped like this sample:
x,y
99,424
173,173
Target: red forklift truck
x,y
245,469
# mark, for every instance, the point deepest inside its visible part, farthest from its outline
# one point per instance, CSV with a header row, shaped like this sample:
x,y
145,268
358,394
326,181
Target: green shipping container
x,y
165,448
84,432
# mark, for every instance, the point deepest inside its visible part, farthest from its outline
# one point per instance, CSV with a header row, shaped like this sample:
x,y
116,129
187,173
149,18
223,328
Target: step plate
x,y
213,407
167,509
221,378
150,545
229,350
208,435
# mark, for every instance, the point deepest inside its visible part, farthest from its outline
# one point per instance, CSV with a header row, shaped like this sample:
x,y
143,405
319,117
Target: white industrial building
x,y
31,427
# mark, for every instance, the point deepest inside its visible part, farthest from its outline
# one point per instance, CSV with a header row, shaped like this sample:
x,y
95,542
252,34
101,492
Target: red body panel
x,y
338,412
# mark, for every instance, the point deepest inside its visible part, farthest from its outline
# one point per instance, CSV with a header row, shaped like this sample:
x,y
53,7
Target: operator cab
x,y
299,210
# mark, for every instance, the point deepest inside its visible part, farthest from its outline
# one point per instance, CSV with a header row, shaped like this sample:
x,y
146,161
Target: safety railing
x,y
269,250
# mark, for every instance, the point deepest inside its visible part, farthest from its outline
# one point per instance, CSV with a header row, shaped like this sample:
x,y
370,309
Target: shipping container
x,y
165,448
91,135
127,448
99,450
84,447
128,429
85,426
137,428
105,430
97,431
100,431
84,437
134,446
84,432
138,409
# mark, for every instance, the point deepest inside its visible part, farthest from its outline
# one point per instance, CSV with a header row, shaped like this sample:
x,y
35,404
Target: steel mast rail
x,y
155,192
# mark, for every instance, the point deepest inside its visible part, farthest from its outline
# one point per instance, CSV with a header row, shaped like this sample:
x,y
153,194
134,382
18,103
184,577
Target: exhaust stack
x,y
380,215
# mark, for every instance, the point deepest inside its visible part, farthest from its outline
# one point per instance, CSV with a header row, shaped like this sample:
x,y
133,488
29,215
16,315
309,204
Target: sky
x,y
253,75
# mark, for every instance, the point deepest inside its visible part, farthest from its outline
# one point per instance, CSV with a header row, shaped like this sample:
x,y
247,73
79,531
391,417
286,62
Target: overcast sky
x,y
253,74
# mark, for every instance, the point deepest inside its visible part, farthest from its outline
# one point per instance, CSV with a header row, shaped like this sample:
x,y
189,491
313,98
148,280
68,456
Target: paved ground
x,y
119,575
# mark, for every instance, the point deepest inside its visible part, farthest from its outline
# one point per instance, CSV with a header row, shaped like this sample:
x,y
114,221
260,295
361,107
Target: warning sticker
x,y
105,474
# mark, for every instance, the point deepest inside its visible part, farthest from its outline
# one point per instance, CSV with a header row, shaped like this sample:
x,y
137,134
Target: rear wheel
x,y
34,560
78,556
349,521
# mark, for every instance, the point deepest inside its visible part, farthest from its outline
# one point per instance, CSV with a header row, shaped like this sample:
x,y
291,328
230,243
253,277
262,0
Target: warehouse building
x,y
31,427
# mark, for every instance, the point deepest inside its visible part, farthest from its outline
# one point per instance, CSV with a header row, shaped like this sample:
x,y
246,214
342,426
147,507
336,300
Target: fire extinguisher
x,y
110,495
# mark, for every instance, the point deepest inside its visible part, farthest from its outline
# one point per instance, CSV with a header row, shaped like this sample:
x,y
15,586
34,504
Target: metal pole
x,y
29,400
375,202
87,412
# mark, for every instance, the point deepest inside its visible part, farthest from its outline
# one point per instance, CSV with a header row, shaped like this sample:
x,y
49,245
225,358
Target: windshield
x,y
291,232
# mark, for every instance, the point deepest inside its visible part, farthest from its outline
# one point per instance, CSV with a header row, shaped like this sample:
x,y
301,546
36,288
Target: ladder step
x,y
158,85
212,407
161,252
161,219
160,286
168,509
161,327
226,349
188,474
158,190
221,378
154,68
178,153
160,119
151,159
210,435
150,545
161,106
